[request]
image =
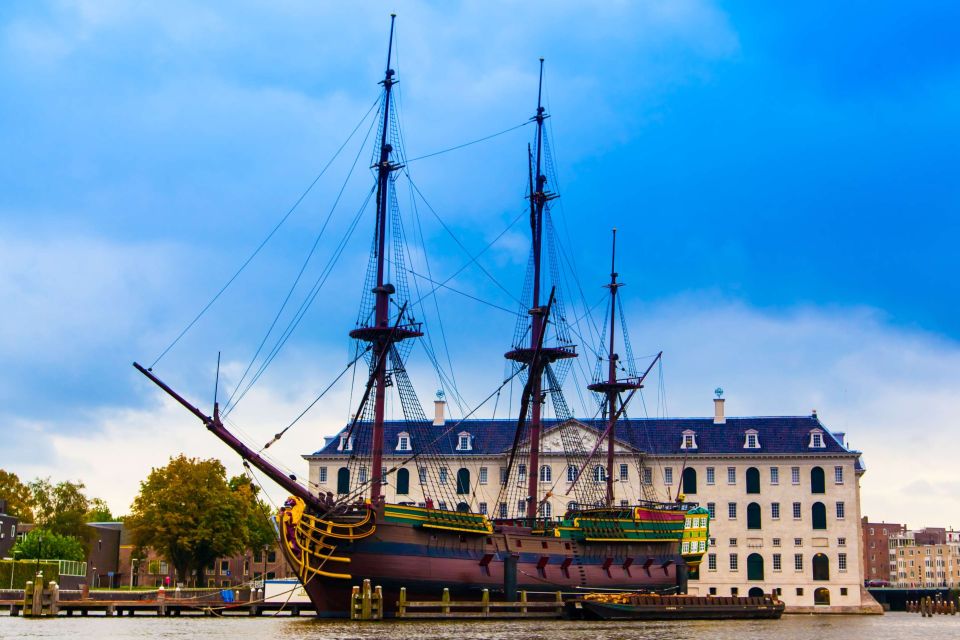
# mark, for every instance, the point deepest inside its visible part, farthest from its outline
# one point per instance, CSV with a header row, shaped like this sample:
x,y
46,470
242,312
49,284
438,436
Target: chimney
x,y
718,417
438,407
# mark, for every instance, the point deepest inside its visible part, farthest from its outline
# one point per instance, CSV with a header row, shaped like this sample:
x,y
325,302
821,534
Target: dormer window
x,y
752,439
464,441
816,439
403,441
346,444
689,440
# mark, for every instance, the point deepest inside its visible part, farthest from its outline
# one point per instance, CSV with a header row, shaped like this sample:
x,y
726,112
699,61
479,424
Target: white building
x,y
783,492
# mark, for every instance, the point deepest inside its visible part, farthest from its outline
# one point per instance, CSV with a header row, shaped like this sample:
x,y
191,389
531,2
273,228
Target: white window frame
x,y
731,475
688,439
483,475
774,510
732,510
322,475
841,510
345,444
751,439
838,475
711,475
794,475
775,475
668,475
817,440
464,441
571,472
403,442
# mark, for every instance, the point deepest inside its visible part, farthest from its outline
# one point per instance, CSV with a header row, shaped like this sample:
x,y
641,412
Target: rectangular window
x,y
732,510
224,567
841,511
733,542
798,562
503,475
774,475
733,562
838,475
363,475
799,591
841,542
503,510
422,472
483,475
668,475
777,562
442,506
483,508
647,475
776,542
711,562
521,507
797,512
522,472
323,475
731,475
624,473
711,476
798,542
712,509
842,561
795,475
775,510
713,542
443,475
571,472
403,443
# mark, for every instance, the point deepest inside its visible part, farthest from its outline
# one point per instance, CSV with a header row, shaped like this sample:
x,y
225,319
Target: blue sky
x,y
783,178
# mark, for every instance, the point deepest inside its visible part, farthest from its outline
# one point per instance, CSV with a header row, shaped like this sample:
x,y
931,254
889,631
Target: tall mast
x,y
613,387
535,356
381,334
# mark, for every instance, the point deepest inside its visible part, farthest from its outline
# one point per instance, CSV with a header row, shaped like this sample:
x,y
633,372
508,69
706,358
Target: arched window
x,y
755,592
545,510
821,596
753,480
403,482
755,567
343,480
819,515
463,481
599,474
821,567
546,473
753,516
571,472
463,507
817,484
690,481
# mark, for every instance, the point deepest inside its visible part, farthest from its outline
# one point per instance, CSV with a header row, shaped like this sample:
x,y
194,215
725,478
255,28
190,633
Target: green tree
x,y
45,544
18,497
99,511
61,508
260,531
187,512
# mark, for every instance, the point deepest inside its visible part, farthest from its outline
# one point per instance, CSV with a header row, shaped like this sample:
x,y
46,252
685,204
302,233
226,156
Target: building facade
x,y
926,558
8,530
876,544
783,492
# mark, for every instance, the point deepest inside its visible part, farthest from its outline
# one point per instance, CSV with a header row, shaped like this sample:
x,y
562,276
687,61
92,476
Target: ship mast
x,y
612,388
537,356
380,334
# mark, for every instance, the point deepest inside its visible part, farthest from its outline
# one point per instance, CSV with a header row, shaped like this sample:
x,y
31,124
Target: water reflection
x,y
894,626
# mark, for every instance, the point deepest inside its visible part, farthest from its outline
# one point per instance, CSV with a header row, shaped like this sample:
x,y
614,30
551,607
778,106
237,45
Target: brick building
x,y
876,544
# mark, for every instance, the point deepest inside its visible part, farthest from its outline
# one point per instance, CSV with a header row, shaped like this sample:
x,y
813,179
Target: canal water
x,y
893,626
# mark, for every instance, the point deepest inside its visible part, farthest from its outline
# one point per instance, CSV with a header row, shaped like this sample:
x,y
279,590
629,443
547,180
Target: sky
x,y
782,177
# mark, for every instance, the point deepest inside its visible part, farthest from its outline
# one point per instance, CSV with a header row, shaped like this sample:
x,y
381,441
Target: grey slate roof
x,y
778,435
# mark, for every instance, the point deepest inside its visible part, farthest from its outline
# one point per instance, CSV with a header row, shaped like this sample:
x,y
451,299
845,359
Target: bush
x,y
24,570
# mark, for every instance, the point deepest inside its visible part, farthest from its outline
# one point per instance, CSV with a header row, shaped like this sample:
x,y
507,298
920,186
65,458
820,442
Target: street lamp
x,y
13,567
133,568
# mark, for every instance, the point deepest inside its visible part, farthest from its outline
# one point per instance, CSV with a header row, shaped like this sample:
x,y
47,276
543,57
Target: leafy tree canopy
x,y
259,514
44,544
99,511
188,512
61,508
17,495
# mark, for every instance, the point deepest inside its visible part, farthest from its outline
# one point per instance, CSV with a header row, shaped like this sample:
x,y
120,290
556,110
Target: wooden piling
x,y
445,599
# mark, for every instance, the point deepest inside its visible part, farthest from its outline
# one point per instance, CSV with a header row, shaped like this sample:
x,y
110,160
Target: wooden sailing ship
x,y
336,541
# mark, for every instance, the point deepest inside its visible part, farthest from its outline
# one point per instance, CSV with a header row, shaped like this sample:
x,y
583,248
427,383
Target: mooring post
x,y
378,603
485,602
559,602
445,599
54,598
356,603
510,576
402,603
28,599
523,600
367,597
161,601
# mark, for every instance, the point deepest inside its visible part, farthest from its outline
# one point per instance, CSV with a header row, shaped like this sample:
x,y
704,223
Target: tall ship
x,y
335,540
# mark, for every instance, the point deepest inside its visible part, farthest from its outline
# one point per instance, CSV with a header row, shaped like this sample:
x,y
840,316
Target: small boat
x,y
633,606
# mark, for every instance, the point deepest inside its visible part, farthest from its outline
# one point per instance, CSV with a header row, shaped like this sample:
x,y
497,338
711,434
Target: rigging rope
x,y
265,240
467,144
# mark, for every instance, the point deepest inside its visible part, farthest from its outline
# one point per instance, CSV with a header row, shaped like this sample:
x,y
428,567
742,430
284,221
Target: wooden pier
x,y
447,609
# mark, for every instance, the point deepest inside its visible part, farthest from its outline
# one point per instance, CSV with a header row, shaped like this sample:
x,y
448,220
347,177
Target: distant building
x,y
783,492
876,544
925,558
8,530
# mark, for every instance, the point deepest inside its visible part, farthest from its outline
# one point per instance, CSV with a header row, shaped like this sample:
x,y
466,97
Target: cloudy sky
x,y
783,179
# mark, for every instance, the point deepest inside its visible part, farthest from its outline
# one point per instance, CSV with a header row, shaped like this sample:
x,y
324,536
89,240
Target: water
x,y
893,626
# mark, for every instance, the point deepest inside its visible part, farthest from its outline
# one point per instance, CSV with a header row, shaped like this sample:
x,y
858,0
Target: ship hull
x,y
398,555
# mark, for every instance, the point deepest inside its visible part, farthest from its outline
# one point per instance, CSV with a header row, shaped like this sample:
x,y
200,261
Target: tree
x,y
99,511
260,531
45,544
17,495
187,512
61,508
